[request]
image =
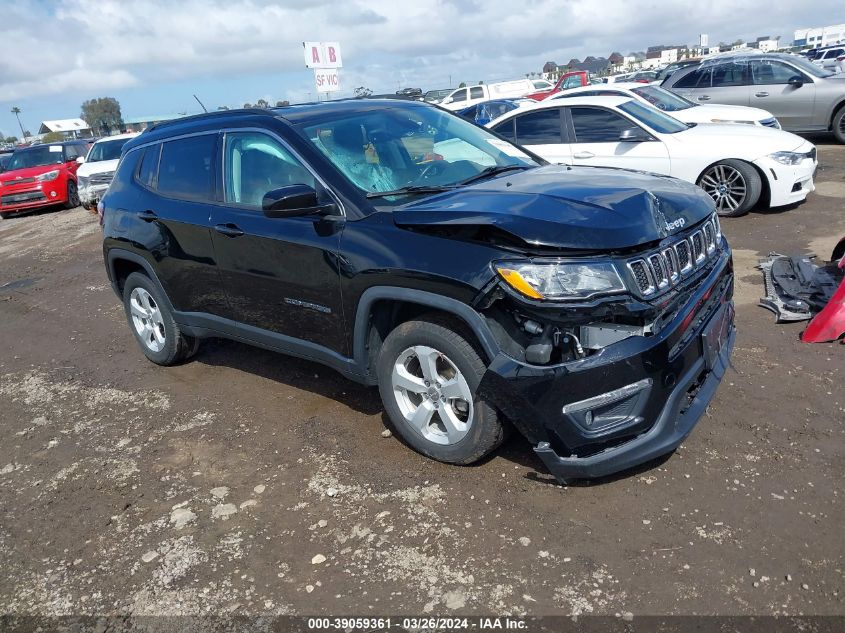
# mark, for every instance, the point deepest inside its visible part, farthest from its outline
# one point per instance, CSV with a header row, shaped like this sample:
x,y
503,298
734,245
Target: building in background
x,y
141,123
821,36
69,128
766,43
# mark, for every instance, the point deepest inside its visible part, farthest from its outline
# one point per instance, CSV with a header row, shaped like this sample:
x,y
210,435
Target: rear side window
x,y
186,167
149,165
539,128
476,92
726,75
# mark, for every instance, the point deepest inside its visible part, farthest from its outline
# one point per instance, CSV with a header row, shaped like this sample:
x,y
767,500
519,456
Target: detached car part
x,y
799,289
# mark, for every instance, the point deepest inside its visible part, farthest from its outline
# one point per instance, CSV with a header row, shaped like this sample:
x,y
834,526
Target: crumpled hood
x,y
587,208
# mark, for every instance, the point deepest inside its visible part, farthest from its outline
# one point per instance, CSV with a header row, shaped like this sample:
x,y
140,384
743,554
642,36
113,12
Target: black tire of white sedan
x,y
734,185
839,124
428,376
152,323
72,195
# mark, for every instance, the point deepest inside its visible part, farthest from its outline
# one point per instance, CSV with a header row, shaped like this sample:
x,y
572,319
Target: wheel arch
x,y
382,308
122,263
766,187
833,112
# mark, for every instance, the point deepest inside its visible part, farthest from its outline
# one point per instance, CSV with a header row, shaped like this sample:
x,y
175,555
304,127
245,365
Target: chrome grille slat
x,y
656,271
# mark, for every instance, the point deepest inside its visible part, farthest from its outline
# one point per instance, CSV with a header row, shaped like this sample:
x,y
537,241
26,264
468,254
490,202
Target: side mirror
x,y
447,100
632,135
796,81
80,159
292,201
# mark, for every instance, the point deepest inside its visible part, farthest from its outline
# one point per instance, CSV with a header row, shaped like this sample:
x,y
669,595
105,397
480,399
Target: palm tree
x,y
16,111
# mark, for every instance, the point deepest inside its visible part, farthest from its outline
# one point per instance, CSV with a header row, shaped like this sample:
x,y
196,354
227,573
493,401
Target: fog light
x,y
52,194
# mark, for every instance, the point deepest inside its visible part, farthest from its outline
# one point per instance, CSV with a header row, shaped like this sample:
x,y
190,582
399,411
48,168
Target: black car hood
x,y
582,208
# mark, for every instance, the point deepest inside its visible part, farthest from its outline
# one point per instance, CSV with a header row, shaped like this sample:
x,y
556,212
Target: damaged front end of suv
x,y
613,333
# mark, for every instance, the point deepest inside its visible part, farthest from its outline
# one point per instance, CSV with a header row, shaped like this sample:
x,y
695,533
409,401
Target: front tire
x,y
151,321
734,185
72,195
428,376
839,124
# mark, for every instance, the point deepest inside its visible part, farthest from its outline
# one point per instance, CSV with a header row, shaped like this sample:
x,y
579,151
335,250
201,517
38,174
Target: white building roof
x,y
63,125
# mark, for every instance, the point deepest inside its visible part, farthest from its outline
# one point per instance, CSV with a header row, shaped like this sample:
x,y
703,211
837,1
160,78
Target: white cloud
x,y
102,45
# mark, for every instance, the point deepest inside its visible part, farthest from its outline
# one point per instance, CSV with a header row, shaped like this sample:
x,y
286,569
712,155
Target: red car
x,y
572,79
41,176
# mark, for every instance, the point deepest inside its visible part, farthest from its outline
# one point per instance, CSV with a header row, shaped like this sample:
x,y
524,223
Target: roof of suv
x,y
746,55
294,114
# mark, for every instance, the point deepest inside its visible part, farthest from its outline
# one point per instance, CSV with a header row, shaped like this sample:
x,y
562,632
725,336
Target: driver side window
x,y
767,73
256,164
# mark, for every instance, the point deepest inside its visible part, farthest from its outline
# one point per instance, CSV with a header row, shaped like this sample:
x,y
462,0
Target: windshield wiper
x,y
410,189
493,170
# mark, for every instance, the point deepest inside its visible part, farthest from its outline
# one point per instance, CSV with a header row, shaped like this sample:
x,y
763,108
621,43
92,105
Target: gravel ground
x,y
247,482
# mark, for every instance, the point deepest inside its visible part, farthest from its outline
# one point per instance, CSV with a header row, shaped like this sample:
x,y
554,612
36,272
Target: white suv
x,y
97,169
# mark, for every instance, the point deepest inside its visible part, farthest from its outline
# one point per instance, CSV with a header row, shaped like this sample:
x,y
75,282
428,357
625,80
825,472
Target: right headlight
x,y
788,158
561,281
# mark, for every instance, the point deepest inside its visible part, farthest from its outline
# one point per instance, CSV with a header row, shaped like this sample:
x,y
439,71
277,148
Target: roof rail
x,y
210,115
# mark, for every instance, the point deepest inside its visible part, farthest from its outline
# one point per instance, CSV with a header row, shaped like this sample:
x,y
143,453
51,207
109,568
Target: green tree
x,y
262,103
102,114
462,85
17,111
282,104
53,137
11,139
247,105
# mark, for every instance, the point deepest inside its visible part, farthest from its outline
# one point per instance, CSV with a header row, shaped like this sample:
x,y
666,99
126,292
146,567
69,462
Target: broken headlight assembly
x,y
561,281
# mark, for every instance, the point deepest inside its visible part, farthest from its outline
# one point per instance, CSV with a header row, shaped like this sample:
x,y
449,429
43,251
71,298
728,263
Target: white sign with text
x,y
322,55
327,79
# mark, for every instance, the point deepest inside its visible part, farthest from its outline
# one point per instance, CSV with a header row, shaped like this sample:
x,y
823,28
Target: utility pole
x,y
16,111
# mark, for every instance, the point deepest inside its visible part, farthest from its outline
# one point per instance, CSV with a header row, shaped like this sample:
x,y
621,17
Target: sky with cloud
x,y
153,55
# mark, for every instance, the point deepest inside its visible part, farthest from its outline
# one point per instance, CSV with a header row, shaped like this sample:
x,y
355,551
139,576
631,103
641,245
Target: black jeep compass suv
x,y
476,285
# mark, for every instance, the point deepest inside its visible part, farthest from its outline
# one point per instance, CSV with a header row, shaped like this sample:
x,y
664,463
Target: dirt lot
x,y
247,482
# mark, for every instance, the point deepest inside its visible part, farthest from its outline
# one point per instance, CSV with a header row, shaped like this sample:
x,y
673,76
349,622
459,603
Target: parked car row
x,y
68,173
735,164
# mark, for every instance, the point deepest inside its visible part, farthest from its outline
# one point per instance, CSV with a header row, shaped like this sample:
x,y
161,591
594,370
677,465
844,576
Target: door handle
x,y
761,94
229,230
583,155
704,98
148,216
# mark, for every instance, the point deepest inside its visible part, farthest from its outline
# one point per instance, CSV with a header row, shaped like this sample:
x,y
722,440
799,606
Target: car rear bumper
x,y
632,401
24,198
788,184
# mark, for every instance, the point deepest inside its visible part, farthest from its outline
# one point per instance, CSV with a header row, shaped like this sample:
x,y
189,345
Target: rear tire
x,y
5,216
72,195
151,321
839,124
734,185
428,376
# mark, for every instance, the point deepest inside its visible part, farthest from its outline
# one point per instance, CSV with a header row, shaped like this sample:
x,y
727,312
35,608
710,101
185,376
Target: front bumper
x,y
788,184
92,194
20,198
633,400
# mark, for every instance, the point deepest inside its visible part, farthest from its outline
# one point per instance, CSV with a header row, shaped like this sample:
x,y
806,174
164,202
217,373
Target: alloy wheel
x,y
147,319
432,395
726,186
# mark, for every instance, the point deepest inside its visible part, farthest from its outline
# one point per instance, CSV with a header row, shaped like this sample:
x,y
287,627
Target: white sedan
x,y
738,165
679,107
